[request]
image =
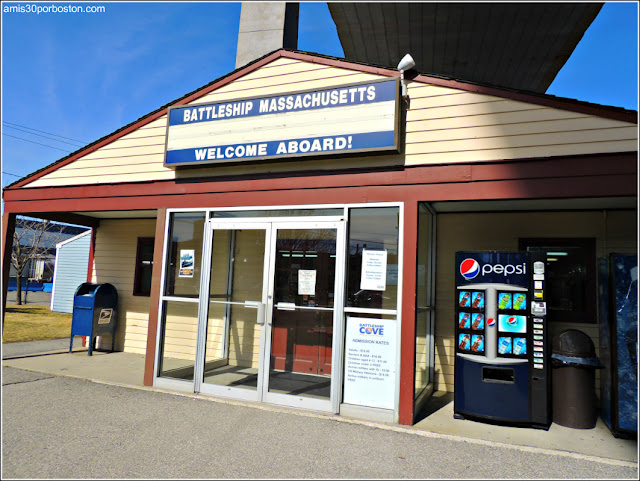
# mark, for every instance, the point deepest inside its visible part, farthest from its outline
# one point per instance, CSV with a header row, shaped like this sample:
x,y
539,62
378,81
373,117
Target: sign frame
x,y
391,149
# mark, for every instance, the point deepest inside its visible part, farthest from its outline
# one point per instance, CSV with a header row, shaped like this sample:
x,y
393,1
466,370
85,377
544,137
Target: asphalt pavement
x,y
12,350
62,427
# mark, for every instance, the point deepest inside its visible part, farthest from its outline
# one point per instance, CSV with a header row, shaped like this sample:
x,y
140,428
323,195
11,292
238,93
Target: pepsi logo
x,y
491,322
469,268
512,321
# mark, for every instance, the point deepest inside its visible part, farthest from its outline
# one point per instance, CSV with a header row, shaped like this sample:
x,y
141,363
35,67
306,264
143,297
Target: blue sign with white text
x,y
337,120
319,99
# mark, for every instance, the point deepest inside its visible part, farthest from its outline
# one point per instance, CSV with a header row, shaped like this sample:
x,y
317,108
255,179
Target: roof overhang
x,y
515,45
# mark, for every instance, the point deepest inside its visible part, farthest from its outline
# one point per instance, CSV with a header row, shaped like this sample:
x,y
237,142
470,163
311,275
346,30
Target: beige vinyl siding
x,y
135,157
114,262
614,231
180,334
444,125
448,126
422,355
246,285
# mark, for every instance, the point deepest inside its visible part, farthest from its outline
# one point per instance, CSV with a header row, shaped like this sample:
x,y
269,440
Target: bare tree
x,y
32,240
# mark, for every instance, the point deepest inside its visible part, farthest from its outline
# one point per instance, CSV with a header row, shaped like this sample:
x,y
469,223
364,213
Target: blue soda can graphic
x,y
477,343
464,320
504,345
520,345
478,300
477,321
464,299
463,341
520,302
504,300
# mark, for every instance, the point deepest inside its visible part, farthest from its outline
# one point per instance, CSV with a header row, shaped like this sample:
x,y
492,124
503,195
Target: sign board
x,y
306,282
374,270
187,259
105,316
370,362
347,119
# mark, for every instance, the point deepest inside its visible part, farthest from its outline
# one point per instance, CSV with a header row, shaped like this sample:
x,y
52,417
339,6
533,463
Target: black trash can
x,y
574,362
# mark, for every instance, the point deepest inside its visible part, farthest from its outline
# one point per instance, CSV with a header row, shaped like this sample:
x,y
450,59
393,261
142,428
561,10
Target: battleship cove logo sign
x,y
347,119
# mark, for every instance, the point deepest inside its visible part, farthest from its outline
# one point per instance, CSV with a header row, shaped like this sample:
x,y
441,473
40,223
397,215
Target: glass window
x,y
178,346
570,277
424,298
184,254
144,267
373,257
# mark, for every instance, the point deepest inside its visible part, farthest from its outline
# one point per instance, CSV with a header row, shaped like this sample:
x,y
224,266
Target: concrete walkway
x,y
126,370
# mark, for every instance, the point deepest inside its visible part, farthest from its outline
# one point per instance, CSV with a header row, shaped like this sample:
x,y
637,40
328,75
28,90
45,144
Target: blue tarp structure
x,y
33,286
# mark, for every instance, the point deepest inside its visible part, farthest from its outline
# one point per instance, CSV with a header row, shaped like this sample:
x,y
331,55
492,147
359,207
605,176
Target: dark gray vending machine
x,y
502,371
618,326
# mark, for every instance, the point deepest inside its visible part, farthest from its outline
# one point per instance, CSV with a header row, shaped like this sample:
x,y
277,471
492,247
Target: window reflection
x,y
373,231
570,276
184,254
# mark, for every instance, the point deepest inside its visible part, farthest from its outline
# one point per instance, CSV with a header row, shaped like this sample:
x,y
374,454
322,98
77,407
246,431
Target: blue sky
x,y
77,77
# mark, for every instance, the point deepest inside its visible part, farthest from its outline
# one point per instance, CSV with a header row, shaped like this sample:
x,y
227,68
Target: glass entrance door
x,y
304,315
270,309
231,340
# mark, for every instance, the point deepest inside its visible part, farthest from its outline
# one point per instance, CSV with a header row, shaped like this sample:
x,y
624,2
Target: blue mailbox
x,y
94,313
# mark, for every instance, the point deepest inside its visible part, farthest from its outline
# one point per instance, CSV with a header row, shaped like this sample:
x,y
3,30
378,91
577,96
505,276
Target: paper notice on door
x,y
306,282
374,270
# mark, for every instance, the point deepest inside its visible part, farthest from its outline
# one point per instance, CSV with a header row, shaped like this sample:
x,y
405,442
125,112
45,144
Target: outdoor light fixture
x,y
405,64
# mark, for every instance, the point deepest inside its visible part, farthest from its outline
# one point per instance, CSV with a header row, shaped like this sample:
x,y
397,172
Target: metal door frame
x,y
271,226
203,311
333,403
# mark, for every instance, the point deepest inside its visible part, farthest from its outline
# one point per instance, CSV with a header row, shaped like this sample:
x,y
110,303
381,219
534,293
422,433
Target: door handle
x,y
286,306
259,306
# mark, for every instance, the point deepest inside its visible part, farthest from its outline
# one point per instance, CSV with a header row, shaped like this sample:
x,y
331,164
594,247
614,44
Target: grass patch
x,y
34,323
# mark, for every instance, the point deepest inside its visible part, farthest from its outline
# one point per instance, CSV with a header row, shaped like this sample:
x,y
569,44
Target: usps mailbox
x,y
94,312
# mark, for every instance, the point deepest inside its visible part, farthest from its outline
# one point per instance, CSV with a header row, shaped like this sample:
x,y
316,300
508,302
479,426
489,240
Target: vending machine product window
x,y
471,322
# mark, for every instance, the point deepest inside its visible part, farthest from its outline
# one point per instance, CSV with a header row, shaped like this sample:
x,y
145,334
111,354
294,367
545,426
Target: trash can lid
x,y
574,343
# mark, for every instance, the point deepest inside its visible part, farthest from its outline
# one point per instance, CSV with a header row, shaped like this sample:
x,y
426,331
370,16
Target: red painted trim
x,y
554,167
531,188
8,227
92,250
154,298
408,331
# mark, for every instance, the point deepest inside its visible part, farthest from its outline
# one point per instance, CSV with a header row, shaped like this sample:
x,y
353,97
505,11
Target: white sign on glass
x,y
187,260
306,282
374,270
370,362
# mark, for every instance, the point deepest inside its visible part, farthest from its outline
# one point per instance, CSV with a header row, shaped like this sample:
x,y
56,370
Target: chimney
x,y
265,27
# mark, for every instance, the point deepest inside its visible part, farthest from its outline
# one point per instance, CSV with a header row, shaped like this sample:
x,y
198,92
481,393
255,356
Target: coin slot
x,y
498,375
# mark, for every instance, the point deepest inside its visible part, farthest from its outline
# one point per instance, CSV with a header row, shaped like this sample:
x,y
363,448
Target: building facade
x,y
303,255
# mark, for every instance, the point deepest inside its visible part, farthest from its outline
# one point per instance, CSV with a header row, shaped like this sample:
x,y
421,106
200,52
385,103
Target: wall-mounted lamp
x,y
405,64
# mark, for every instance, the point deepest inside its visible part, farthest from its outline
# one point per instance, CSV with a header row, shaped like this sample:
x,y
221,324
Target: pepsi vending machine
x,y
502,371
